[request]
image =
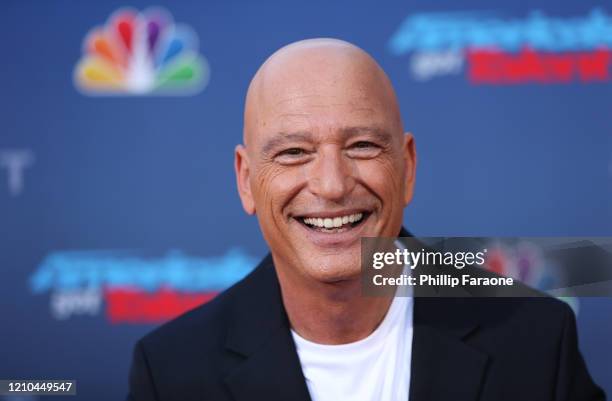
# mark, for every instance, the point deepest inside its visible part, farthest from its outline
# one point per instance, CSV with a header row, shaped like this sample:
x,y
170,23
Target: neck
x,y
330,313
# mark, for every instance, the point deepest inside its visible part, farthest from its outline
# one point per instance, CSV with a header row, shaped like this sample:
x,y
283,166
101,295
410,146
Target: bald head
x,y
331,70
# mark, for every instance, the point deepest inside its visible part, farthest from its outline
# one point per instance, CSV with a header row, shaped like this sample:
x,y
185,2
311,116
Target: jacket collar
x,y
260,333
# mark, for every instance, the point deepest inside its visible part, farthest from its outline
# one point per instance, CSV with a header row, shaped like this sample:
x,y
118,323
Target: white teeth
x,y
333,222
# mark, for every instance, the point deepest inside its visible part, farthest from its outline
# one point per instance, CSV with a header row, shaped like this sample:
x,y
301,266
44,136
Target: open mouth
x,y
336,224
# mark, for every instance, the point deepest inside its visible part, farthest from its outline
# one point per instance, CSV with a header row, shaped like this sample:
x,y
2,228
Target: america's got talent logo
x,y
495,50
141,53
132,288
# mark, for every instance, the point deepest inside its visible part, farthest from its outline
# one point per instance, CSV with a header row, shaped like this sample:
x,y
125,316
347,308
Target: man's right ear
x,y
241,166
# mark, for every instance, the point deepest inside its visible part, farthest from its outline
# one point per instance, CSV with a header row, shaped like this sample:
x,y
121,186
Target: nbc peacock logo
x,y
141,53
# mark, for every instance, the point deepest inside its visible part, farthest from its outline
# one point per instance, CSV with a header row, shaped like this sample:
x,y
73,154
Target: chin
x,y
334,268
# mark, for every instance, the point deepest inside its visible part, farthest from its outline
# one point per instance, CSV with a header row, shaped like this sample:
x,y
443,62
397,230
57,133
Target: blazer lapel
x,y
261,351
272,373
444,366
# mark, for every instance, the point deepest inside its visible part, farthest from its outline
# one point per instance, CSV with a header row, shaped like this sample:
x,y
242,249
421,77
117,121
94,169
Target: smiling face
x,y
325,160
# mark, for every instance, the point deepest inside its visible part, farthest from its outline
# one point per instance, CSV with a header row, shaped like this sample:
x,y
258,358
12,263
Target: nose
x,y
330,176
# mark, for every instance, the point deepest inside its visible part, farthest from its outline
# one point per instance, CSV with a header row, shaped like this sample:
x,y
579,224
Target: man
x,y
325,161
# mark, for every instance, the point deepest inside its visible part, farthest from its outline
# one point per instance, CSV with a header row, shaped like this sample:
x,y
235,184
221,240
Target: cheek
x,y
274,186
383,177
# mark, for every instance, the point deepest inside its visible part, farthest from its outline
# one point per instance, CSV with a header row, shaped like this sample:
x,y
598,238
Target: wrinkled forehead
x,y
322,92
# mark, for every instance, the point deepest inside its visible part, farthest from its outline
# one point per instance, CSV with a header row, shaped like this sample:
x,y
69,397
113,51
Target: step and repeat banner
x,y
118,121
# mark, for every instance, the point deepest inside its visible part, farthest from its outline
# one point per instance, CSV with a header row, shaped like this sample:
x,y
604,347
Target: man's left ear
x,y
410,162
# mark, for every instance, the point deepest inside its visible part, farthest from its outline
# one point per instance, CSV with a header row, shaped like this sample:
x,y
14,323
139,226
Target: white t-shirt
x,y
376,368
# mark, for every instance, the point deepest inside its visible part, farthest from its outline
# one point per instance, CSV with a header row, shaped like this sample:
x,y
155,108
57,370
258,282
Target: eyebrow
x,y
379,133
283,137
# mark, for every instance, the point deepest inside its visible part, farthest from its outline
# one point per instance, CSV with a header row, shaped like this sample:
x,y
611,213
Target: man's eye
x,y
292,152
292,156
363,150
363,145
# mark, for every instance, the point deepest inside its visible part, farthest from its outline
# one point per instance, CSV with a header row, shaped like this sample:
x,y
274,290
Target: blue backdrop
x,y
112,207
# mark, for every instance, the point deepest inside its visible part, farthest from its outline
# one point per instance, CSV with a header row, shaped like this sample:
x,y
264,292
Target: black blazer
x,y
239,347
